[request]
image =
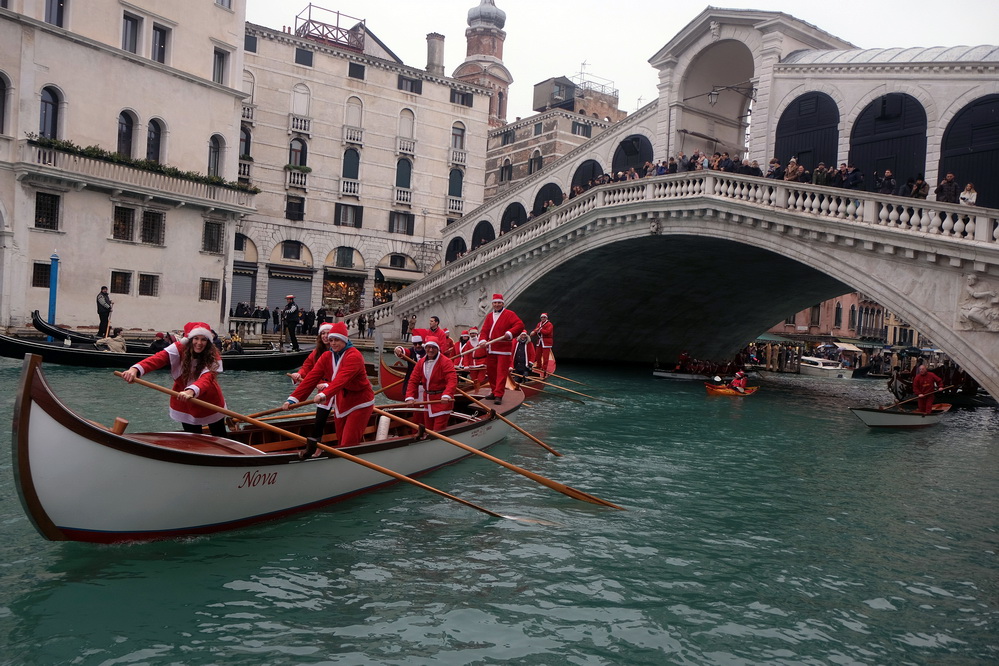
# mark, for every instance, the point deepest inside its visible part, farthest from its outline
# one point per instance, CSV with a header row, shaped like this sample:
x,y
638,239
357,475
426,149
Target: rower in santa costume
x,y
343,386
506,325
476,360
434,379
546,336
204,364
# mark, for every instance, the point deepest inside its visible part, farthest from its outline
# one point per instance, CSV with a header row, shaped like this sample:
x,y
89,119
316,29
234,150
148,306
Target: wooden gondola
x,y
58,333
81,481
90,357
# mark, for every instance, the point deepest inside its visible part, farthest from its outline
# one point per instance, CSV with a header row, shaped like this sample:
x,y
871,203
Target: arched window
x,y
404,174
3,102
454,183
154,141
535,163
248,84
48,124
215,156
351,164
839,316
126,127
407,124
291,249
458,136
853,316
506,171
300,98
354,112
298,153
245,142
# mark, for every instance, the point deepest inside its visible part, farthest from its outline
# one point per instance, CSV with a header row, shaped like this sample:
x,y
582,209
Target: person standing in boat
x,y
546,338
433,379
290,315
739,382
924,384
104,307
522,359
194,364
506,325
343,385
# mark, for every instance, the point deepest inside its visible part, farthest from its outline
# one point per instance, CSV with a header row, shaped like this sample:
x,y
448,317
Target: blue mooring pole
x,y
53,288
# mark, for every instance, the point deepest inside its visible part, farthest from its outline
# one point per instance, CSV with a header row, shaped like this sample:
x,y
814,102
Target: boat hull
x,y
889,418
94,358
819,367
79,481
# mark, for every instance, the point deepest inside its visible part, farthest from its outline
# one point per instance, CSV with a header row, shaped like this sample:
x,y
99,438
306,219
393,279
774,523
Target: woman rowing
x,y
194,364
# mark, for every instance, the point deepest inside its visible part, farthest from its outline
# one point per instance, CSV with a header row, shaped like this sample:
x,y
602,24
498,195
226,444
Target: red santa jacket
x,y
466,352
926,383
346,382
310,362
205,386
526,349
443,381
546,333
498,324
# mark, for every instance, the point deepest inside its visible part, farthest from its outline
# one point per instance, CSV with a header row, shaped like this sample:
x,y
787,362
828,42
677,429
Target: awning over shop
x,y
770,337
396,275
846,346
346,272
869,344
290,272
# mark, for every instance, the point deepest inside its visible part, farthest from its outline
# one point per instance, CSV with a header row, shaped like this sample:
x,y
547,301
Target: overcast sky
x,y
615,39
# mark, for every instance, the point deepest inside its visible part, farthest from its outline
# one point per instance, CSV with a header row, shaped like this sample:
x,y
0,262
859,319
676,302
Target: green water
x,y
773,529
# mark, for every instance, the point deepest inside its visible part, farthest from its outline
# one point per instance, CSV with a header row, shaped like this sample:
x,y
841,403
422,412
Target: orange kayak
x,y
715,389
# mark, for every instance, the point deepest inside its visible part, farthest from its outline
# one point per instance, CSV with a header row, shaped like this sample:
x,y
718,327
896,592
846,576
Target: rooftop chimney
x,y
435,54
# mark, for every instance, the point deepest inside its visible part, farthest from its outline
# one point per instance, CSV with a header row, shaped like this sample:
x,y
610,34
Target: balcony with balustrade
x,y
405,146
353,135
459,157
350,187
299,124
455,205
296,179
75,171
248,114
404,196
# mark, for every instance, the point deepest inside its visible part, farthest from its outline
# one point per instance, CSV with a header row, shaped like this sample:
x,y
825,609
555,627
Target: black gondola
x,y
81,338
89,357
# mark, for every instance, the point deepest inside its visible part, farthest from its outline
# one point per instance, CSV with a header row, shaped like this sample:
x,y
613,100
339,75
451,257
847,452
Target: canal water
x,y
771,529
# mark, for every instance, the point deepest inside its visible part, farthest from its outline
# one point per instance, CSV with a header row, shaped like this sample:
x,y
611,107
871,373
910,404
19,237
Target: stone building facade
x,y
361,159
95,97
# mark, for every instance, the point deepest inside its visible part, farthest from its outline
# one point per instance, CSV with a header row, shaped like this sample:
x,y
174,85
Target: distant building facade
x,y
361,160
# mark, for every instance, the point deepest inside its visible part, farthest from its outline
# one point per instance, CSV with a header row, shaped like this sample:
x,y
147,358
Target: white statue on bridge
x,y
980,308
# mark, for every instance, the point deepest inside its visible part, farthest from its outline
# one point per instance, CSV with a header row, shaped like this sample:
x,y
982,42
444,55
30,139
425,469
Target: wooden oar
x,y
278,409
554,485
592,397
329,449
552,374
386,388
511,424
469,351
916,397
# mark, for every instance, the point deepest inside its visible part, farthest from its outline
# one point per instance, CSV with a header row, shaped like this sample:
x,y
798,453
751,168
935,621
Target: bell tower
x,y
483,63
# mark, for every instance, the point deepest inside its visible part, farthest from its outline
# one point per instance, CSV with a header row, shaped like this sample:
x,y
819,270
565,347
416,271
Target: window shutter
x,y
338,214
409,223
418,86
358,213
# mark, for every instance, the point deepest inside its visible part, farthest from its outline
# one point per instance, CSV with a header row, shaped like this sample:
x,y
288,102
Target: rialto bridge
x,y
705,261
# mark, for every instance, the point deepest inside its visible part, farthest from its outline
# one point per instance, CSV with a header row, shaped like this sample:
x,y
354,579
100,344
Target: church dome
x,y
486,14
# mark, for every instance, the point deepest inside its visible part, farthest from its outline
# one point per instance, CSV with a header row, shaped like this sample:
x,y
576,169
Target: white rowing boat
x,y
900,418
80,481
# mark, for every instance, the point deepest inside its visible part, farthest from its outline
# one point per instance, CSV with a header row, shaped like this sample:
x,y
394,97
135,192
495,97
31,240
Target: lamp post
x,y
53,287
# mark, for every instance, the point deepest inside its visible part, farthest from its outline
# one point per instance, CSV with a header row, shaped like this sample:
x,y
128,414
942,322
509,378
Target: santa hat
x,y
498,298
339,331
193,328
464,334
432,343
417,338
544,315
325,327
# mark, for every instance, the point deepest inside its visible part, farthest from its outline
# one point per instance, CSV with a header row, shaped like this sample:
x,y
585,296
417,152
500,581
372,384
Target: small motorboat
x,y
81,481
813,366
721,389
900,418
